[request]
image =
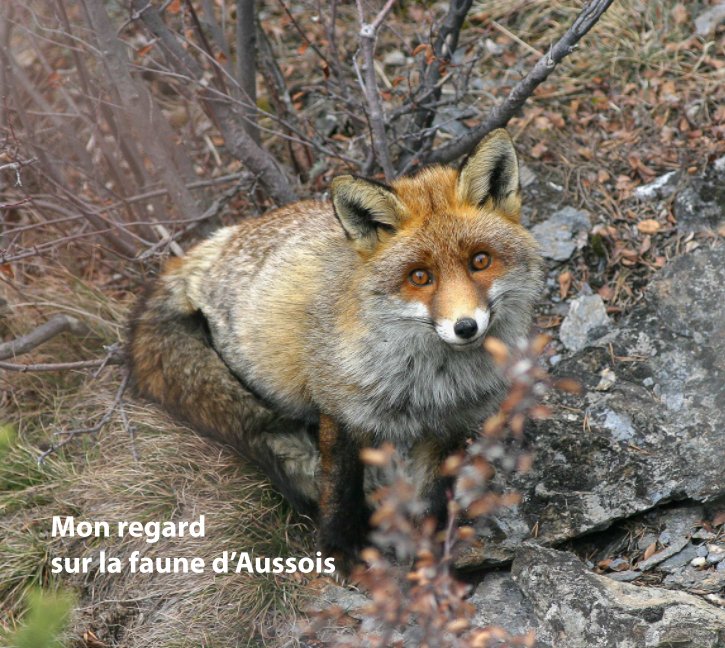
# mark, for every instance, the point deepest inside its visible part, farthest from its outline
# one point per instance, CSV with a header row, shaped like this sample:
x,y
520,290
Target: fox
x,y
325,327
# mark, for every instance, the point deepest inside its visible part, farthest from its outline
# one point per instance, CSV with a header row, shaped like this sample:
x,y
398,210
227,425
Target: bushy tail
x,y
173,363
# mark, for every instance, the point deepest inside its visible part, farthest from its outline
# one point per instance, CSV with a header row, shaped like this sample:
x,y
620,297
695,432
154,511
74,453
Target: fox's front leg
x,y
435,489
344,515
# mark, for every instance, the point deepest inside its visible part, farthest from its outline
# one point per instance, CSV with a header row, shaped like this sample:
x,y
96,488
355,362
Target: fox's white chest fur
x,y
406,383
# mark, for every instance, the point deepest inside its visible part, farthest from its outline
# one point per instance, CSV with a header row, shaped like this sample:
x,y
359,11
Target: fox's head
x,y
445,247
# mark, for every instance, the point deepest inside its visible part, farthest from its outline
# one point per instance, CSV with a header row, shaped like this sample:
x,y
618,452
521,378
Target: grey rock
x,y
527,176
563,232
336,595
700,205
704,534
707,21
646,540
608,455
661,556
578,609
679,524
586,313
625,576
698,580
715,553
395,58
499,601
661,187
680,559
449,119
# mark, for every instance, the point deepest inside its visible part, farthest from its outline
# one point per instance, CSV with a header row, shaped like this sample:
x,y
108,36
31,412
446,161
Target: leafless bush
x,y
121,123
426,600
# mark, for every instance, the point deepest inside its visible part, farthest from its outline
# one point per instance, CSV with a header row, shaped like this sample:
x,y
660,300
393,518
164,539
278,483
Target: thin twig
x,y
429,91
247,63
56,366
16,166
237,140
501,114
54,326
368,35
72,434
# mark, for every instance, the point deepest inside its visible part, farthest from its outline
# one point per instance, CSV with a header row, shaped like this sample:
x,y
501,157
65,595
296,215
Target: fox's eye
x,y
420,277
480,261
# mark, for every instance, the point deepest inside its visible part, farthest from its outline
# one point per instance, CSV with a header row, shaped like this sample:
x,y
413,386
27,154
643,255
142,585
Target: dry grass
x,y
176,476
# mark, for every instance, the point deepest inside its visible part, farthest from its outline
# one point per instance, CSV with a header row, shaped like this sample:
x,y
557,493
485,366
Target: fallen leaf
x,y
606,293
538,150
564,283
649,226
650,550
646,244
548,321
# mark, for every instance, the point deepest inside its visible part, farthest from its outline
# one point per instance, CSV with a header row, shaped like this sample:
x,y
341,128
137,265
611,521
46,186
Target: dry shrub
x,y
425,603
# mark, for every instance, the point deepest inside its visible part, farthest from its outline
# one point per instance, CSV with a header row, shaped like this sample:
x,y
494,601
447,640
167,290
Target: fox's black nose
x,y
465,328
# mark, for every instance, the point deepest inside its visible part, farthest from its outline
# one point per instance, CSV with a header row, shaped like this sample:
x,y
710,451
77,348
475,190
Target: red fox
x,y
323,328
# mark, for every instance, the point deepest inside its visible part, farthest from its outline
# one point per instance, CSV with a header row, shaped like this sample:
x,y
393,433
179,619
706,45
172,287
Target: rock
x,y
607,455
715,553
680,559
626,576
662,556
578,609
450,119
563,232
526,175
499,602
493,47
692,577
707,21
586,314
607,380
395,58
679,524
700,205
661,187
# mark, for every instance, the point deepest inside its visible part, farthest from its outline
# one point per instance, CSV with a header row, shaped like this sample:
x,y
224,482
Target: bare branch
x,y
429,91
54,326
217,33
247,63
114,356
94,429
500,114
368,34
281,101
236,139
54,366
139,111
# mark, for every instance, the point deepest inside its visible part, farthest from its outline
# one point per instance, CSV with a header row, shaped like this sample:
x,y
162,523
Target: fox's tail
x,y
173,363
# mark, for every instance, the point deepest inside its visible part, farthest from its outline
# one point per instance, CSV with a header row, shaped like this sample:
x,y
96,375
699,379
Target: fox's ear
x,y
366,209
490,175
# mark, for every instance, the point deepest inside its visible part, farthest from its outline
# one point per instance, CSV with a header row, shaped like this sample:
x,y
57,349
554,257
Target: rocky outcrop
x,y
575,608
649,428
